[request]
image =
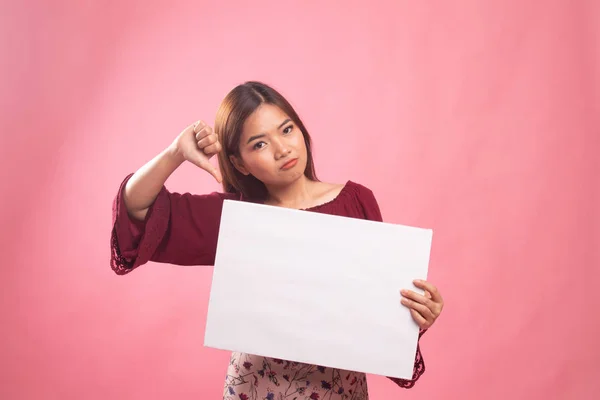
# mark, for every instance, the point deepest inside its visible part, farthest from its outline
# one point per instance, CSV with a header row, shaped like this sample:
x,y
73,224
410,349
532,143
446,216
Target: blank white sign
x,y
316,288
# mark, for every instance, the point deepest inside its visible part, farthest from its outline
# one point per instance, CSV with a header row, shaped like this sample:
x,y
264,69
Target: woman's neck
x,y
294,195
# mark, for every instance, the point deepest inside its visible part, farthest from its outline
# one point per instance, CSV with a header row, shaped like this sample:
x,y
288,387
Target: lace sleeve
x,y
418,370
179,229
133,243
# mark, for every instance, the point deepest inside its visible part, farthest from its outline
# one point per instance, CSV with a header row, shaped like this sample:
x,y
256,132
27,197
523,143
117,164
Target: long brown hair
x,y
237,106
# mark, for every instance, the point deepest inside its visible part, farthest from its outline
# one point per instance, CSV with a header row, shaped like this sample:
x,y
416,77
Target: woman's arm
x,y
144,185
197,143
152,224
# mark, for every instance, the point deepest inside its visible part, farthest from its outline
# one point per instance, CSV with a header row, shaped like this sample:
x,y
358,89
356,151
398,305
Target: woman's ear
x,y
237,163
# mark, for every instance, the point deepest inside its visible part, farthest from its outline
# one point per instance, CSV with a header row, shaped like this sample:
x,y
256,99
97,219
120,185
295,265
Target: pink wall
x,y
479,119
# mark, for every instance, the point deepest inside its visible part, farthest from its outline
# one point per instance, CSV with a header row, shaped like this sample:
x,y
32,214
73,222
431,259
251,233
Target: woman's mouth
x,y
289,164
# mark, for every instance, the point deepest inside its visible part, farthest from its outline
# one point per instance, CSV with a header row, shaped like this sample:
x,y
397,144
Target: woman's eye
x,y
259,145
288,129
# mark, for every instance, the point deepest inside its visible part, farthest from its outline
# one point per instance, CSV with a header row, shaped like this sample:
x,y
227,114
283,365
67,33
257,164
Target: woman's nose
x,y
281,149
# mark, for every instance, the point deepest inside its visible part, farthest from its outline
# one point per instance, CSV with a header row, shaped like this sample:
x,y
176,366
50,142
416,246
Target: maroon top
x,y
183,229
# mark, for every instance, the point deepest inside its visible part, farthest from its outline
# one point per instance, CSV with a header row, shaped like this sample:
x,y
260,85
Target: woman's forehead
x,y
264,119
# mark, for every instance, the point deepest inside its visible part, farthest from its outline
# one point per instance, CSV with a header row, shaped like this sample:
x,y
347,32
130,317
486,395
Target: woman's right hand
x,y
197,144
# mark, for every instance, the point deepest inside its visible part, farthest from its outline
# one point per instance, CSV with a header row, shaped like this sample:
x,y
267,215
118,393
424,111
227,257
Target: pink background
x,y
479,119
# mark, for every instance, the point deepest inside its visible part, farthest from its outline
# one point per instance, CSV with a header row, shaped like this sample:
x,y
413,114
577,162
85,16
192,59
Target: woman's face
x,y
272,147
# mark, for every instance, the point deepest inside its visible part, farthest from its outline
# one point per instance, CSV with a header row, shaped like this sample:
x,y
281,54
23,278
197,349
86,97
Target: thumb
x,y
211,169
200,160
214,171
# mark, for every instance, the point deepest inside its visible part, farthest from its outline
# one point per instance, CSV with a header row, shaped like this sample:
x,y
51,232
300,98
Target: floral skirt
x,y
252,377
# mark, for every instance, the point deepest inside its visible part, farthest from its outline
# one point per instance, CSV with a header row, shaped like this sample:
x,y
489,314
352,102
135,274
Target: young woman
x,y
264,153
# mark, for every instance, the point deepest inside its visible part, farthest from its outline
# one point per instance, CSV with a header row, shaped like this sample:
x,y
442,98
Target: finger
x,y
198,126
212,149
216,174
419,298
420,320
420,308
206,141
435,294
204,132
203,163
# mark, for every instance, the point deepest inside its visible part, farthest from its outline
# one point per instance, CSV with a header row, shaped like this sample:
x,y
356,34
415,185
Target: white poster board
x,y
316,288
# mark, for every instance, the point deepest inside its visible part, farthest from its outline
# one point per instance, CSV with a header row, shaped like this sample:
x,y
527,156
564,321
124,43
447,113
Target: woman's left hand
x,y
425,309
